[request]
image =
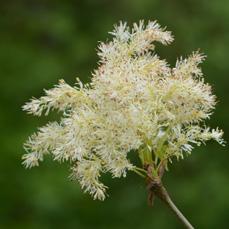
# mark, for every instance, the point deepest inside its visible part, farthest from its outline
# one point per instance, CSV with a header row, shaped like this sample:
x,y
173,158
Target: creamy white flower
x,y
135,103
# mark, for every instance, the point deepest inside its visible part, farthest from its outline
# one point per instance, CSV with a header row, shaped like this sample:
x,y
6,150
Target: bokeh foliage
x,y
42,41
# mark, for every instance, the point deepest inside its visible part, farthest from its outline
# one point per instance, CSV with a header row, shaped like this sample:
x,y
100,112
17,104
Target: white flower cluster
x,y
135,102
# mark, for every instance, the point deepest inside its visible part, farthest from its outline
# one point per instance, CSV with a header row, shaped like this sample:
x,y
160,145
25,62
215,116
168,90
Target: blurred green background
x,y
42,41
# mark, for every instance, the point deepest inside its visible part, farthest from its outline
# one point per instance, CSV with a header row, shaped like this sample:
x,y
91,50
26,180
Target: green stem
x,y
178,213
155,187
142,170
139,173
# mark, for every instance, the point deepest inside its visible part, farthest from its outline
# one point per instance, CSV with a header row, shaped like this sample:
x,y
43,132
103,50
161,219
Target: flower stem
x,y
139,173
155,187
167,200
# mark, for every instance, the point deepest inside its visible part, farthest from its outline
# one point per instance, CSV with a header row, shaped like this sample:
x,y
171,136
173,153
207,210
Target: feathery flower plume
x,y
135,103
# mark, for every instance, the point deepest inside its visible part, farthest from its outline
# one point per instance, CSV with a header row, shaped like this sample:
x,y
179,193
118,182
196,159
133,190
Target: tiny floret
x,y
135,104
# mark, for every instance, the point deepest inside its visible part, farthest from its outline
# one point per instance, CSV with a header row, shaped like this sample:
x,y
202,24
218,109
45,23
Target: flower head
x,y
135,103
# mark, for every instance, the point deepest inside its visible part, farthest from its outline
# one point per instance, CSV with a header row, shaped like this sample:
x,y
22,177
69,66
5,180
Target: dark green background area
x,y
42,41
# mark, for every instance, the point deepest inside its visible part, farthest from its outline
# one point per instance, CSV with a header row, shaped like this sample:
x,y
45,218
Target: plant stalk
x,y
167,200
156,188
